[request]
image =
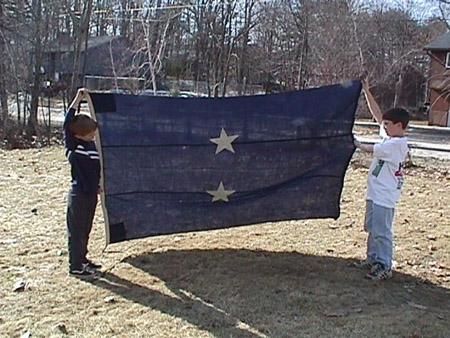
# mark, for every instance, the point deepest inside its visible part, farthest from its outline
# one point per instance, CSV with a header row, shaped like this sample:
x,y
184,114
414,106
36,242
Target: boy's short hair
x,y
397,115
82,125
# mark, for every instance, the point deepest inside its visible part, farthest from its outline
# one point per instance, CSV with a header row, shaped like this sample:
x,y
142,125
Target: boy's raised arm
x,y
374,108
69,138
81,93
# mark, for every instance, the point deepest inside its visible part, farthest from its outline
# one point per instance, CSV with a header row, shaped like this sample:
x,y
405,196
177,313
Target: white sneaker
x,y
379,272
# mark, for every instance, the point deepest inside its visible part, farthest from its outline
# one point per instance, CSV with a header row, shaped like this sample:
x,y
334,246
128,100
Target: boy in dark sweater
x,y
79,135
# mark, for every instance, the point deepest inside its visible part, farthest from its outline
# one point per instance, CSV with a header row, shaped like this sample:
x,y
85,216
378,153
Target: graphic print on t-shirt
x,y
399,175
377,169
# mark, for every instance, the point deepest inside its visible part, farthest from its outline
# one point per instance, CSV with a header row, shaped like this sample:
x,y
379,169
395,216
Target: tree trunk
x,y
81,37
3,98
398,90
125,20
32,124
242,62
3,93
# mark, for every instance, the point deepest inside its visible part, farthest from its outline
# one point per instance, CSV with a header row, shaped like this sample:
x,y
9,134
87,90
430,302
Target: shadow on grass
x,y
245,293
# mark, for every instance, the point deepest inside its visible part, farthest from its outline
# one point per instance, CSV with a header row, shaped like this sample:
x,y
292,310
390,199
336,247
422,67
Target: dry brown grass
x,y
287,279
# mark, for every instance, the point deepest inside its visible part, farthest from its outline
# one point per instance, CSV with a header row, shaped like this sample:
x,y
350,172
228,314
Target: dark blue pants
x,y
80,215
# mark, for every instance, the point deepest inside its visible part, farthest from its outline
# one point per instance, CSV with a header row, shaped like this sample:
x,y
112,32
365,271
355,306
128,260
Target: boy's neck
x,y
399,134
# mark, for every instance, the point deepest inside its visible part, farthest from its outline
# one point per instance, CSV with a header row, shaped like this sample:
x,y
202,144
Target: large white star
x,y
220,194
224,141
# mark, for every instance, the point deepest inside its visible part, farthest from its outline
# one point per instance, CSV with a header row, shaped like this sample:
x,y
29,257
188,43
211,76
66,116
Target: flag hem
x,y
102,187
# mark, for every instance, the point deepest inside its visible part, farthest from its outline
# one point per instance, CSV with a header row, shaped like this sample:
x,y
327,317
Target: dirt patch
x,y
285,279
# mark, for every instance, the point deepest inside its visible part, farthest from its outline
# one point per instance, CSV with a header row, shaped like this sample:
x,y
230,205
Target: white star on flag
x,y
220,194
224,141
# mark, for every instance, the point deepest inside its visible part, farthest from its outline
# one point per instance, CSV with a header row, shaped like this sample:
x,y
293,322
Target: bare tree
x,y
444,10
150,46
81,41
36,11
221,44
3,72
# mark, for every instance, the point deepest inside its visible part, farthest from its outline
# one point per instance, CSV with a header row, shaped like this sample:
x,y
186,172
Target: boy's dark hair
x,y
82,125
397,115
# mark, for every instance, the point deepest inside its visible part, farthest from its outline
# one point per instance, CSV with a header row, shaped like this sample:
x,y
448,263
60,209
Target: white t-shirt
x,y
385,179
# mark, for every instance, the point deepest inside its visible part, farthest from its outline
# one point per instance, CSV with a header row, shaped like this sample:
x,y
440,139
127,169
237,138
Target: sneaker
x,y
364,264
379,272
80,272
91,265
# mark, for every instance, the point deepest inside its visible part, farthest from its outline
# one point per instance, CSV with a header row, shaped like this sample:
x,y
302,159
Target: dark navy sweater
x,y
83,158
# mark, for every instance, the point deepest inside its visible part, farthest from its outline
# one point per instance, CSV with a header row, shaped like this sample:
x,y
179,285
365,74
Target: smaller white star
x,y
224,141
220,194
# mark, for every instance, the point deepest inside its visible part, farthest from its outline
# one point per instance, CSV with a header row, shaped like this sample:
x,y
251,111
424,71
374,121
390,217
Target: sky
x,y
421,9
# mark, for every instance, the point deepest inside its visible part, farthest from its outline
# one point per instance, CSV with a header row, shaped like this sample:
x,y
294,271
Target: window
x,y
447,60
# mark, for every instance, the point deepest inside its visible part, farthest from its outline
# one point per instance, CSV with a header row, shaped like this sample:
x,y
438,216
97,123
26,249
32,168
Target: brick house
x,y
438,84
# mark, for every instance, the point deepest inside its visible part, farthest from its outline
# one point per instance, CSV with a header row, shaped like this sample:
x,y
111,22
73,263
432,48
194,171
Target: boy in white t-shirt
x,y
384,186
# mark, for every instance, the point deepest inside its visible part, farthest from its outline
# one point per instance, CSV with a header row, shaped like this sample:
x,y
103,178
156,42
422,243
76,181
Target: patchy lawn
x,y
285,279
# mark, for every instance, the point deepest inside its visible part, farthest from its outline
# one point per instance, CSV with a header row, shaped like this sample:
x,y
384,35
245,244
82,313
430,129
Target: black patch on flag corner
x,y
103,102
117,232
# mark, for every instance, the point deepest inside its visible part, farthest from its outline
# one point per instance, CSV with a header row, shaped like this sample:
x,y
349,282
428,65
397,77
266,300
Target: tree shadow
x,y
247,293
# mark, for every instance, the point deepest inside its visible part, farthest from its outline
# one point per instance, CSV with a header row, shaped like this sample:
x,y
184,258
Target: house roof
x,y
442,42
92,43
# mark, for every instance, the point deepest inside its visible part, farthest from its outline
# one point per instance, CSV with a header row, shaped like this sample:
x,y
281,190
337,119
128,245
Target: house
x,y
438,93
101,53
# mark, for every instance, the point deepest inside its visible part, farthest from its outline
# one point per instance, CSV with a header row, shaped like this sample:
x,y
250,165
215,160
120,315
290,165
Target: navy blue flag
x,y
174,165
